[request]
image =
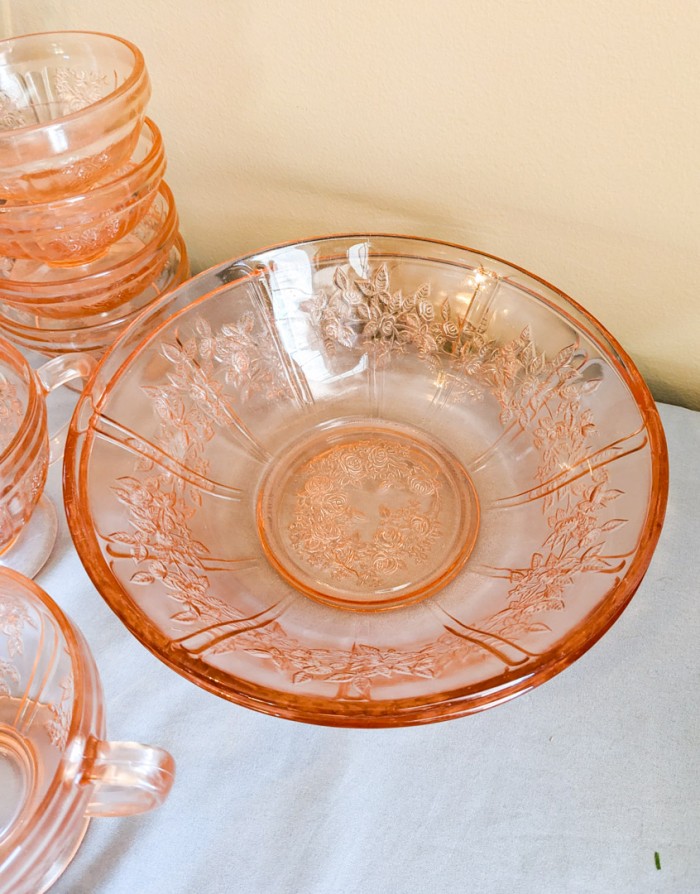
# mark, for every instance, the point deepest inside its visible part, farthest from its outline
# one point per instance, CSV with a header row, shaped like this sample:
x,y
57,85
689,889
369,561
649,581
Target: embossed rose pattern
x,y
324,529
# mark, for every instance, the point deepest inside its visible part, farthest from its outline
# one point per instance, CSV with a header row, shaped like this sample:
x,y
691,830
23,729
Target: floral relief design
x,y
544,396
74,90
190,406
91,239
9,677
11,116
17,503
354,670
11,411
242,351
366,313
160,541
77,89
540,586
58,724
76,173
193,403
164,550
33,483
533,393
574,546
161,544
324,529
13,618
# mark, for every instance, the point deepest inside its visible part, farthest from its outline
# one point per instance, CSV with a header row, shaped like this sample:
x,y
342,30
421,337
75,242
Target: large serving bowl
x,y
71,107
366,480
82,227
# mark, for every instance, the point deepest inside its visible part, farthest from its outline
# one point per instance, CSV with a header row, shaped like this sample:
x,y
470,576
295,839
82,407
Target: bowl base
x,y
367,515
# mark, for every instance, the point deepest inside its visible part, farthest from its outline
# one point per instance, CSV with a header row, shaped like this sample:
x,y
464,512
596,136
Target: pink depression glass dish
x,y
71,107
93,327
69,293
56,769
80,228
366,480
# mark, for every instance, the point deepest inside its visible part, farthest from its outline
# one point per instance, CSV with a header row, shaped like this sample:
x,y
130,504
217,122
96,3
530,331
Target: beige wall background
x,y
559,134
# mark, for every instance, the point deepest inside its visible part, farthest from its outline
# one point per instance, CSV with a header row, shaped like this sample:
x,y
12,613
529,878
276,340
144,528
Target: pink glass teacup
x,y
56,769
81,227
28,519
71,107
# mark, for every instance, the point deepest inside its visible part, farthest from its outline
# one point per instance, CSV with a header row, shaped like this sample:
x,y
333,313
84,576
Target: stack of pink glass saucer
x,y
88,227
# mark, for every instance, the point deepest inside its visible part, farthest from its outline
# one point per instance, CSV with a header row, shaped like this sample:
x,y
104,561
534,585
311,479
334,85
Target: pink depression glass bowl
x,y
93,328
366,480
71,107
80,228
36,288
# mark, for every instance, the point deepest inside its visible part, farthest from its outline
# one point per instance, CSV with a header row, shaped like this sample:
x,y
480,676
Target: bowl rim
x,y
139,261
153,163
9,331
136,74
445,705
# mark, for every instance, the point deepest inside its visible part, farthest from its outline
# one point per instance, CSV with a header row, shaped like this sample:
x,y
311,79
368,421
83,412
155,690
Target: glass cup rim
x,y
160,236
135,75
104,327
151,162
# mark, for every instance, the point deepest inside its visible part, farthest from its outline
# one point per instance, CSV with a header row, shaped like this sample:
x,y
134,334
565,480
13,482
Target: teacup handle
x,y
58,372
127,777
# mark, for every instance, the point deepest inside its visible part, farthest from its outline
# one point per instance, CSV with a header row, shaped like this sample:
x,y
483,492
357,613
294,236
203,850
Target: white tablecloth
x,y
571,788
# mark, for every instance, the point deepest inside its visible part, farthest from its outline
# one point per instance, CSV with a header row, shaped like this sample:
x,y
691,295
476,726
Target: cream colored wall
x,y
562,135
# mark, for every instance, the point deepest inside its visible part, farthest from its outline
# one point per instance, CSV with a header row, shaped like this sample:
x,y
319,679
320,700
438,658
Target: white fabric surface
x,y
570,788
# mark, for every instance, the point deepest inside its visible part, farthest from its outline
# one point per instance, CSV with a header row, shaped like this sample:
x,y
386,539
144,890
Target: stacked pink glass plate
x,y
88,227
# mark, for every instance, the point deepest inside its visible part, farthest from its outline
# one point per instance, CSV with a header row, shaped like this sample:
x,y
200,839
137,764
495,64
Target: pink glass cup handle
x,y
58,372
127,777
